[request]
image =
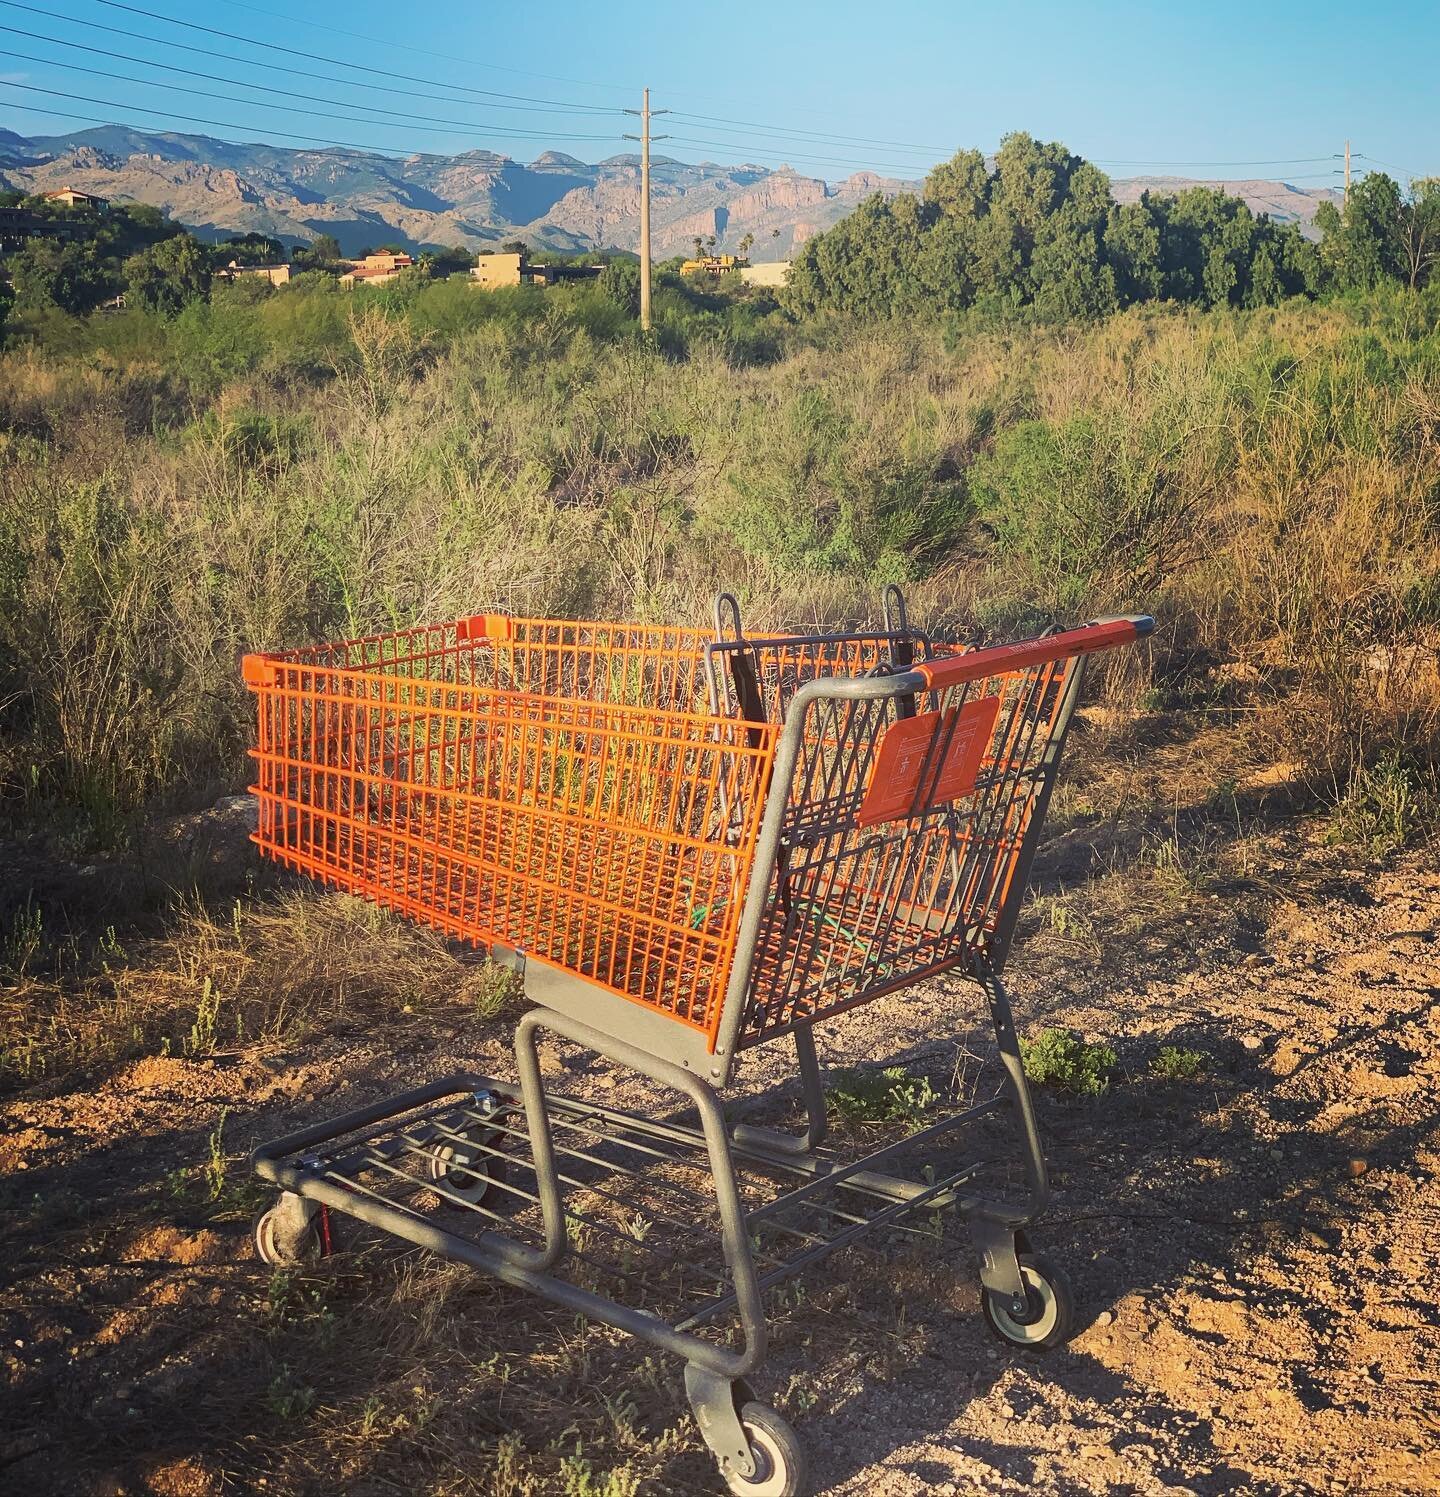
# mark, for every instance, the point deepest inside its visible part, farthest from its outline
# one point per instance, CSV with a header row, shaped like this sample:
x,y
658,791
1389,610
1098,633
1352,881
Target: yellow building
x,y
491,271
277,275
712,265
375,270
72,198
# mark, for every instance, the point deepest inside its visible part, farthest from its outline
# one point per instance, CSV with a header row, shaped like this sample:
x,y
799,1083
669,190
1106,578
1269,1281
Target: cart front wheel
x,y
777,1452
1048,1315
279,1248
465,1171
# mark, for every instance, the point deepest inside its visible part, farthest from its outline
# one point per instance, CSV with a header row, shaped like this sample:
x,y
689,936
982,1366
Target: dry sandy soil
x,y
1254,1251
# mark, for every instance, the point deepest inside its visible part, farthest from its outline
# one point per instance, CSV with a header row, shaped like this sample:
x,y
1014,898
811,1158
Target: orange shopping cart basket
x,y
687,845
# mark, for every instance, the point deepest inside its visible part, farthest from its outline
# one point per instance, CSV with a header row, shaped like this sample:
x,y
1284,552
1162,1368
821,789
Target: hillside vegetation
x,y
937,399
265,469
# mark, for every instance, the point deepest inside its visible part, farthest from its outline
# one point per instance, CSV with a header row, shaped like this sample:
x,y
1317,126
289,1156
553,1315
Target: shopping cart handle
x,y
975,665
1143,623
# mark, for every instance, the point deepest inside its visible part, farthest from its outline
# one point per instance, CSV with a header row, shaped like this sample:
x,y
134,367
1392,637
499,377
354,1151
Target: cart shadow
x,y
194,1376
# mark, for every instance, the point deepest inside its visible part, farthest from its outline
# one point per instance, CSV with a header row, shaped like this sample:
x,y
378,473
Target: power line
x,y
275,67
359,67
291,18
1283,161
851,161
501,130
219,124
823,137
1413,176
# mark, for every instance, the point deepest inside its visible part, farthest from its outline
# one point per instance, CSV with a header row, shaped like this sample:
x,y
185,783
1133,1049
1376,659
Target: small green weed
x,y
201,1040
891,1095
287,1399
1066,1063
1175,1063
492,989
214,1167
23,940
1384,808
580,1480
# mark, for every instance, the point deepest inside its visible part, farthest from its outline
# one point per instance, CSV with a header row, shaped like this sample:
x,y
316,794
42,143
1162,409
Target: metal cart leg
x,y
813,1088
749,1441
1026,1299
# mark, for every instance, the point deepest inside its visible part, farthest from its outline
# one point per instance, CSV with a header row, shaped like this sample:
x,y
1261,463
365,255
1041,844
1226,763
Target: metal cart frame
x,y
476,1125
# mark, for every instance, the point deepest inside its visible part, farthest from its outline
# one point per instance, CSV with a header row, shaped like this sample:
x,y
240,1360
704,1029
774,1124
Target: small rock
x,y
1277,1156
1104,1318
1251,1042
1356,1168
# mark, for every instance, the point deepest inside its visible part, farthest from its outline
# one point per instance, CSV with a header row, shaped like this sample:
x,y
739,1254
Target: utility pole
x,y
644,138
1347,174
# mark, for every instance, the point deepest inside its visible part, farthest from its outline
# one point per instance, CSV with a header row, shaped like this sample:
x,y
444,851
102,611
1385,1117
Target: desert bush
x,y
1067,1063
263,471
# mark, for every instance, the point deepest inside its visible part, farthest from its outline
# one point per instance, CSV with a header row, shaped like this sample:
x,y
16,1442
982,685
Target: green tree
x,y
323,249
959,188
169,276
1420,232
620,281
46,273
1132,246
1363,245
451,261
250,249
746,240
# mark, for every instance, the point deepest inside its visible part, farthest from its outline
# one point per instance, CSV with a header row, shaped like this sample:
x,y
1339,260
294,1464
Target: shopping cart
x,y
687,847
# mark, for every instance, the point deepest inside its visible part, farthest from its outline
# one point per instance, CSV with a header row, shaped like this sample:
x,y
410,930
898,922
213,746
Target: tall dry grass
x,y
1265,482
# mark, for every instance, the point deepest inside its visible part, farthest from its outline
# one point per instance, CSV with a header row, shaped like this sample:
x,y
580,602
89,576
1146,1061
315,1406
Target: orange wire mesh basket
x,y
559,788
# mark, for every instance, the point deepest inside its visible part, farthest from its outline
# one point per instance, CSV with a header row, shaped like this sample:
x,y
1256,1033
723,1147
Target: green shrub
x,y
1065,1062
1175,1063
869,1096
1386,805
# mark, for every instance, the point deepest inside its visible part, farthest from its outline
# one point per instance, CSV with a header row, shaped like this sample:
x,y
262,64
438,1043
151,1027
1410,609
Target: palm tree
x,y
745,244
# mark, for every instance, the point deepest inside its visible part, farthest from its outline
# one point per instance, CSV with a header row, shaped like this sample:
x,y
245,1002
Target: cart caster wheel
x,y
1049,1314
777,1452
281,1249
465,1170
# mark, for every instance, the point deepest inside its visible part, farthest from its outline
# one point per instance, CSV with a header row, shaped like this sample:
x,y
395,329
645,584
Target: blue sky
x,y
1223,89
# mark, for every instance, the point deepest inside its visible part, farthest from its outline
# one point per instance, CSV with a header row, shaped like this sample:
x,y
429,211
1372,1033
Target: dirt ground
x,y
1254,1251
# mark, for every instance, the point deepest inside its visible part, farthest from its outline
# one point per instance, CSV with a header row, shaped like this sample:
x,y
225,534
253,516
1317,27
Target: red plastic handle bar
x,y
975,665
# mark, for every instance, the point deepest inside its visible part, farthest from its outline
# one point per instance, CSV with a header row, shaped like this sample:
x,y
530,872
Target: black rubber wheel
x,y
1048,1319
278,1249
466,1170
778,1454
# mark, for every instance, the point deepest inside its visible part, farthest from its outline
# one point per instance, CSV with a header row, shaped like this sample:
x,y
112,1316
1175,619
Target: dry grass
x,y
267,971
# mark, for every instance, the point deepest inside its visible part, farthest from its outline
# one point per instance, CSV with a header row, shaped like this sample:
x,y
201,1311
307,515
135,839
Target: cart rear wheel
x,y
465,1170
1048,1317
279,1247
777,1452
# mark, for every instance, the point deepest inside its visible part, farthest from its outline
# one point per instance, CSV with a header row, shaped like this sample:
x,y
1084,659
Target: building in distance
x,y
767,273
375,270
490,272
71,197
277,275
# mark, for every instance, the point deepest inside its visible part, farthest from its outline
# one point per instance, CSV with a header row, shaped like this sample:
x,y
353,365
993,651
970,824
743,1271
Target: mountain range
x,y
479,198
